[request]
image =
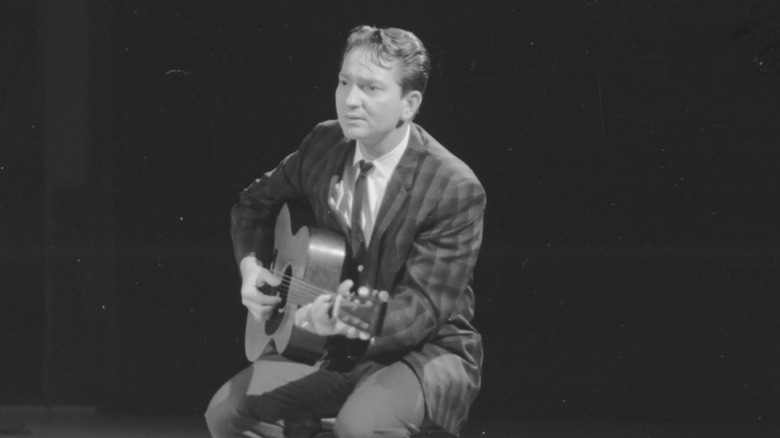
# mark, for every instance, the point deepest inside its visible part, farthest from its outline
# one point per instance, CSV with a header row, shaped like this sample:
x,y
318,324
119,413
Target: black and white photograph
x,y
375,218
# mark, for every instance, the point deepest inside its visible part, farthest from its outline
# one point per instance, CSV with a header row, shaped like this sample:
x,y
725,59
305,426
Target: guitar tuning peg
x,y
384,296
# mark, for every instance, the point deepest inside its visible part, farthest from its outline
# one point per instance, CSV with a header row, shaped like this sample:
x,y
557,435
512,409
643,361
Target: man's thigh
x,y
388,401
235,411
275,388
263,375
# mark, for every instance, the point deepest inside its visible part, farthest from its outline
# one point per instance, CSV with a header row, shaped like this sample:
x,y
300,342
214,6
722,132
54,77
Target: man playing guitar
x,y
391,305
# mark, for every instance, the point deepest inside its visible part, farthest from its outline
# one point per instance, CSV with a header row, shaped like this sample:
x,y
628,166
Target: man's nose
x,y
353,97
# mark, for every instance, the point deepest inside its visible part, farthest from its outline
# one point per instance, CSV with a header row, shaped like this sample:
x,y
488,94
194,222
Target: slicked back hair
x,y
391,45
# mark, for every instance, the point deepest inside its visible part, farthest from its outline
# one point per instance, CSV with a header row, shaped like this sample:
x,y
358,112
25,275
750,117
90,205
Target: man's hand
x,y
255,276
318,316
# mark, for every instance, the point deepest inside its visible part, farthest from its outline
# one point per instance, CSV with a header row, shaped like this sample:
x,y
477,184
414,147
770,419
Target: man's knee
x,y
350,427
228,412
221,413
229,419
231,413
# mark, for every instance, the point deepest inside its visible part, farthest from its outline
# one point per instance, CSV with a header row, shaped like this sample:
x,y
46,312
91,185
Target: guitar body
x,y
310,257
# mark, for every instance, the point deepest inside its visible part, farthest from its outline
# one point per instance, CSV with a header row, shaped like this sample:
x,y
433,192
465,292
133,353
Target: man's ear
x,y
412,102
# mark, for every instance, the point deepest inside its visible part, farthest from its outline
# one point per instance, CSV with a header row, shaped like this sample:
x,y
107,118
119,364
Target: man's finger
x,y
345,287
269,300
265,276
324,298
258,311
255,296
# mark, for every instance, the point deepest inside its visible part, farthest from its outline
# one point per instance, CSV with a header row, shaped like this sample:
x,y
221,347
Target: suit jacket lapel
x,y
399,187
333,171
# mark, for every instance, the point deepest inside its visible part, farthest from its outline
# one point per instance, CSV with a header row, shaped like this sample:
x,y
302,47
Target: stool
x,y
327,431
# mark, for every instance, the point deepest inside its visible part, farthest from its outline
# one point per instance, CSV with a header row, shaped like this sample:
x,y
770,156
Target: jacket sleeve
x,y
253,218
434,287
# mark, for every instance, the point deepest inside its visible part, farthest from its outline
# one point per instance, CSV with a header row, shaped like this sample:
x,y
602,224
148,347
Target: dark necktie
x,y
358,195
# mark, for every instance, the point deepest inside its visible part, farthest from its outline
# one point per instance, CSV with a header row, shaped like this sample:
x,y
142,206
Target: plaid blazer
x,y
422,251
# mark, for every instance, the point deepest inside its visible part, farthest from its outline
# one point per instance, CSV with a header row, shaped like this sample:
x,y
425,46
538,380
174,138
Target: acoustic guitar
x,y
309,263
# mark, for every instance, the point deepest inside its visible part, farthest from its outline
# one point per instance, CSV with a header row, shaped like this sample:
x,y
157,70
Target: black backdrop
x,y
629,152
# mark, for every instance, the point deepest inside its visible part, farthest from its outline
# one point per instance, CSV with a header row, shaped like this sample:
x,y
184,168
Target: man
x,y
417,234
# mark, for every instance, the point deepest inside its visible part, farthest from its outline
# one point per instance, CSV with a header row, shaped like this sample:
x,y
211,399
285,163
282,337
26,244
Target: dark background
x,y
628,149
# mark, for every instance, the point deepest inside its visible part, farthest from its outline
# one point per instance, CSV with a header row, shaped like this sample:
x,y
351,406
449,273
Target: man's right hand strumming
x,y
254,276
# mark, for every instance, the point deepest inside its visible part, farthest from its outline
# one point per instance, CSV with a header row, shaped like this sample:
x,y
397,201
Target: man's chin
x,y
353,133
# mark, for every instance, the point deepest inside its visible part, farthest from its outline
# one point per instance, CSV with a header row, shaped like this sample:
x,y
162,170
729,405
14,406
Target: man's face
x,y
369,103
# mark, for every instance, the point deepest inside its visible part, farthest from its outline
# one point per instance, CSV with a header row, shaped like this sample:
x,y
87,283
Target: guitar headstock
x,y
364,310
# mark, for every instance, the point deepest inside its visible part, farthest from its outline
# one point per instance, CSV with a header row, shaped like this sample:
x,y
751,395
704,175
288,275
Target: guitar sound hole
x,y
273,323
284,289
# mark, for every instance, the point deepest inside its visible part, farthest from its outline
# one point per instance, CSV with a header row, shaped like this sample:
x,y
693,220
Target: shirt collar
x,y
387,162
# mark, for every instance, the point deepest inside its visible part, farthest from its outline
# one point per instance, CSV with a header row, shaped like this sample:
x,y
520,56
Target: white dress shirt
x,y
376,185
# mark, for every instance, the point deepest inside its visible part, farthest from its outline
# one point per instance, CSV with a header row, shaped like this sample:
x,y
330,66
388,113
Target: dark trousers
x,y
275,398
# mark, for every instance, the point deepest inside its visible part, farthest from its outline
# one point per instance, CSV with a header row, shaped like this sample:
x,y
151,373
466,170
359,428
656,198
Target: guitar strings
x,y
309,289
